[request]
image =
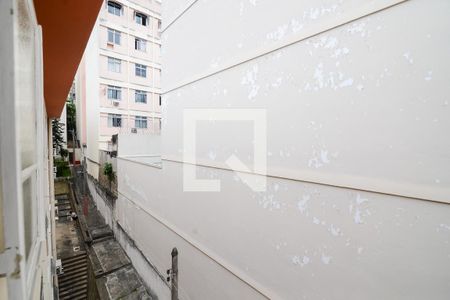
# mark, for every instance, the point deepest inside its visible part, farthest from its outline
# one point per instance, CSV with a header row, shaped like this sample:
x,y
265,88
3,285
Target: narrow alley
x,y
93,264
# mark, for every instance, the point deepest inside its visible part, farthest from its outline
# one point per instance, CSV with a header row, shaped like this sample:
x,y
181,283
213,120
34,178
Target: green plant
x,y
109,173
62,168
57,129
71,121
64,153
71,116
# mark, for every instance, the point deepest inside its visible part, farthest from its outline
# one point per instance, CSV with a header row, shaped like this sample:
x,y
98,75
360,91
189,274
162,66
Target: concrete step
x,y
72,263
76,284
68,272
73,289
71,277
74,295
73,257
65,207
69,283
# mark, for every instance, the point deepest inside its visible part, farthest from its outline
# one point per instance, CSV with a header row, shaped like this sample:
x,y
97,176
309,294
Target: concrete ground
x,y
115,275
68,241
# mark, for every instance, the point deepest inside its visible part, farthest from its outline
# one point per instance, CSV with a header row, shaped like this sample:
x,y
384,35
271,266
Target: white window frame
x,y
140,44
114,65
114,36
114,92
141,122
115,120
141,18
140,70
115,8
142,94
12,173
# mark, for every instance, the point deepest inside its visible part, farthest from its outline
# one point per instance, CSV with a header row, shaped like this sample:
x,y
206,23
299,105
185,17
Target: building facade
x,y
33,91
118,80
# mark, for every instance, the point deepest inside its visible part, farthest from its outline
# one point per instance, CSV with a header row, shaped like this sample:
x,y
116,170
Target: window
x,y
114,92
140,122
159,24
114,8
114,120
114,64
140,44
140,96
141,19
160,100
141,70
113,36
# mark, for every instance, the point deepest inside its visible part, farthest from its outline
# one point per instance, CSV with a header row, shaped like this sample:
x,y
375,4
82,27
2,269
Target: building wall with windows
x,y
126,67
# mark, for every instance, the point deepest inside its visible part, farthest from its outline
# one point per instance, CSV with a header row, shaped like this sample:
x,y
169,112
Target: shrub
x,y
109,173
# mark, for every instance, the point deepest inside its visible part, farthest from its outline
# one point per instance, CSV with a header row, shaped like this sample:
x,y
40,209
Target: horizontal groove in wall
x,y
208,253
371,185
92,161
130,59
325,26
178,15
130,159
128,85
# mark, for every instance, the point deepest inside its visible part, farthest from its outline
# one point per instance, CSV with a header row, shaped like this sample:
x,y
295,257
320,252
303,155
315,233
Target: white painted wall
x,y
153,281
297,239
92,103
131,144
357,151
328,97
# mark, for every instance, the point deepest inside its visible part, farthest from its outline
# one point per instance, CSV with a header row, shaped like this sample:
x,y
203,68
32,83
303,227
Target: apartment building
x,y
118,80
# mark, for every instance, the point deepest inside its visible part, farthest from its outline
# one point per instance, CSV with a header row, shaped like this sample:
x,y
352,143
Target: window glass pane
x,y
114,92
110,36
2,239
114,120
141,19
29,212
141,70
139,44
26,76
114,8
140,122
114,65
141,96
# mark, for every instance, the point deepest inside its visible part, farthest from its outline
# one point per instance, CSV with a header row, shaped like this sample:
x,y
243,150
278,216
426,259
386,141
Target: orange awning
x,y
66,27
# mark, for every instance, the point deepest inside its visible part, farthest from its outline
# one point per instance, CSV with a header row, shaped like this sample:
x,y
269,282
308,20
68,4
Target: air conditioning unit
x,y
59,267
116,103
133,130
